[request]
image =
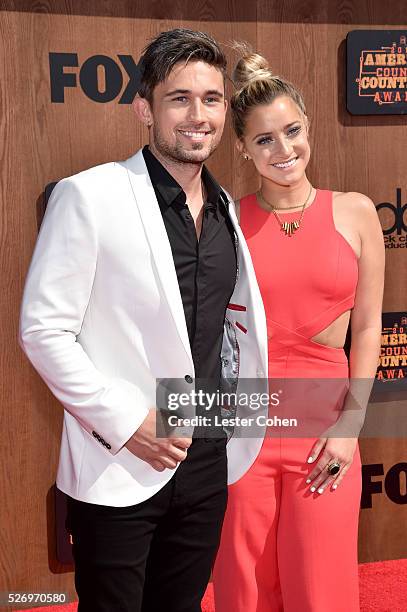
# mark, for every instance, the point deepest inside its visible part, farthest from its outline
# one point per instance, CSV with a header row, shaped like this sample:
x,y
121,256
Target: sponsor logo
x,y
375,482
393,218
100,77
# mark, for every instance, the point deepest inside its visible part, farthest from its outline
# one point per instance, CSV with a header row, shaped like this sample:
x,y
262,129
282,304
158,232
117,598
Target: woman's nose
x,y
284,146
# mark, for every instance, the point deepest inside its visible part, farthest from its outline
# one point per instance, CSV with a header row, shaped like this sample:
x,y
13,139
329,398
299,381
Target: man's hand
x,y
160,453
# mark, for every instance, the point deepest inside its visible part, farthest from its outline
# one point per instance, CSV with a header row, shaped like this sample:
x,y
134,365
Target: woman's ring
x,y
333,468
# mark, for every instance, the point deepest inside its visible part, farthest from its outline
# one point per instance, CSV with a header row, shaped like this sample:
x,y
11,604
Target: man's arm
x,y
56,296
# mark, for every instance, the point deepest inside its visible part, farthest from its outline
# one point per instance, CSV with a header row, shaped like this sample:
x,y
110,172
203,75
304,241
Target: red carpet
x,y
383,588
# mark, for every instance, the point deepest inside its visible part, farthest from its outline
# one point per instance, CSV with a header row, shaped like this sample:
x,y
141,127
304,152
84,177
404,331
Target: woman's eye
x,y
264,140
294,130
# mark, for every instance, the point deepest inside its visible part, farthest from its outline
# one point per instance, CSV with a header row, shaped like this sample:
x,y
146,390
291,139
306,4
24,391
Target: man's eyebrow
x,y
285,128
214,92
177,92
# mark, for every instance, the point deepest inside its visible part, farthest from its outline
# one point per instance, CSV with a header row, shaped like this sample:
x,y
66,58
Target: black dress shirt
x,y
206,268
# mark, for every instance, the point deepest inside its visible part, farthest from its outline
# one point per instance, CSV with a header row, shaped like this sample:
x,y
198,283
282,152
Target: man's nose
x,y
196,111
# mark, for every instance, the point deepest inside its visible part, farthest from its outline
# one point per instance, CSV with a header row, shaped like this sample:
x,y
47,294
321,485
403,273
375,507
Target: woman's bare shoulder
x,y
358,210
358,202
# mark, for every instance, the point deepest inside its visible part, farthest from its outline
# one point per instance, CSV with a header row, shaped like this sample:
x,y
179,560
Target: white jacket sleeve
x,y
56,296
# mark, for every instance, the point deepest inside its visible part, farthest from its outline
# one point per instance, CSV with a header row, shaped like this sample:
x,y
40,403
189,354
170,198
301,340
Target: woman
x,y
289,540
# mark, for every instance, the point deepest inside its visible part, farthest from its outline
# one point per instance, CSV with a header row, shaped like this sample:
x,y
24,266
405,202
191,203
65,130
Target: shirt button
x,y
189,378
260,373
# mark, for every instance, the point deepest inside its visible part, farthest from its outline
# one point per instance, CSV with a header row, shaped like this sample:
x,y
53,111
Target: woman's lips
x,y
284,165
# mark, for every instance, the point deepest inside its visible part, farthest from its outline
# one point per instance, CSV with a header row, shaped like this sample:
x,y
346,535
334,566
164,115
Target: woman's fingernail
x,y
320,490
310,459
308,480
312,489
334,486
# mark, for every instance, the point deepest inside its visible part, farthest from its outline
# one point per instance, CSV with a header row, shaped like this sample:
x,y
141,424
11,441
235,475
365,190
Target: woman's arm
x,y
365,346
366,320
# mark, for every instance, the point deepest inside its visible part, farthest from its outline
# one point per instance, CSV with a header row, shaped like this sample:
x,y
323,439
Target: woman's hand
x,y
327,450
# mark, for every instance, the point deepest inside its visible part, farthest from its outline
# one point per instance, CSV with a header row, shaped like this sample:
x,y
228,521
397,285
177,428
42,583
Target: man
x,y
134,269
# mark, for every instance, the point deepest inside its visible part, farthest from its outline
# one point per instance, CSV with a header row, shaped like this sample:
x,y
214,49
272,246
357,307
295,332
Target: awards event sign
x,y
391,375
377,72
393,353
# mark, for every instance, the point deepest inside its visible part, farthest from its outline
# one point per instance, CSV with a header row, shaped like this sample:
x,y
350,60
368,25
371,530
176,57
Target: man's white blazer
x,y
102,319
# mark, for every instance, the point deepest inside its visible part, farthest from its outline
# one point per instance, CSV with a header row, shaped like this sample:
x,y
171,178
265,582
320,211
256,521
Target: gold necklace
x,y
288,227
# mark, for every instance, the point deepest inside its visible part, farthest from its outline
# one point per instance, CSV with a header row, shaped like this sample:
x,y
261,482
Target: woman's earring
x,y
246,157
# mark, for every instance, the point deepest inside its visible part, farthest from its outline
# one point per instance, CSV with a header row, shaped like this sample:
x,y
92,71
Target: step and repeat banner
x,y
66,86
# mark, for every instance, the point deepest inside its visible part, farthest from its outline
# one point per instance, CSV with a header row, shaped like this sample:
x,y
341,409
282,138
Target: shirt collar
x,y
168,187
212,187
162,180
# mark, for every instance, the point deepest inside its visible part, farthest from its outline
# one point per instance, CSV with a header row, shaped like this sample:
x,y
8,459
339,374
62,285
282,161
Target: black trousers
x,y
155,556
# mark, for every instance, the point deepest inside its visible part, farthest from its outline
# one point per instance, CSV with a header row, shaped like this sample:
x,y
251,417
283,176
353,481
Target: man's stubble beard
x,y
178,154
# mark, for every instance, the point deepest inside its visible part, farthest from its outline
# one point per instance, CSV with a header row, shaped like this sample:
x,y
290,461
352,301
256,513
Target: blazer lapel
x,y
157,237
247,287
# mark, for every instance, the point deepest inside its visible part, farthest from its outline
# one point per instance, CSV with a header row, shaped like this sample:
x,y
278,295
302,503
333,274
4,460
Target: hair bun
x,y
250,67
256,85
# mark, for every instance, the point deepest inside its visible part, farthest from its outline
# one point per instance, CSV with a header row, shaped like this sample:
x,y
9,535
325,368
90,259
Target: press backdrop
x,y
42,140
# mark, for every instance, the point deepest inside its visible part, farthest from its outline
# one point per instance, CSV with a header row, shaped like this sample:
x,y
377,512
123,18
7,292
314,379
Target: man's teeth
x,y
194,134
286,164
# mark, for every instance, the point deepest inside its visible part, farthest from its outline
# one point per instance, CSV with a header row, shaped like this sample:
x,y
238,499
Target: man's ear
x,y
142,108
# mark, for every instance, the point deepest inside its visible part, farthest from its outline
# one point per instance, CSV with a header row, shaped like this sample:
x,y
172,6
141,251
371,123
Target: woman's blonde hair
x,y
256,84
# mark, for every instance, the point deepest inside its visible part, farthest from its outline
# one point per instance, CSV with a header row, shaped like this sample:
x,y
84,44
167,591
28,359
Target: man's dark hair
x,y
169,48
